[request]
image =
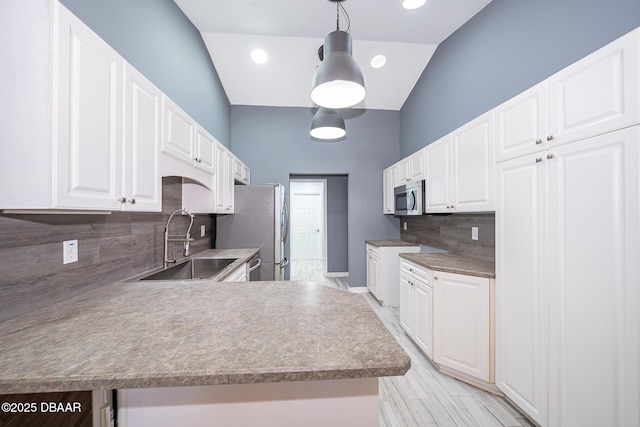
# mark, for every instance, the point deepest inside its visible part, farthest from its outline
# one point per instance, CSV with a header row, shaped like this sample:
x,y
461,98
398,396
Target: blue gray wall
x,y
508,47
274,142
337,220
157,39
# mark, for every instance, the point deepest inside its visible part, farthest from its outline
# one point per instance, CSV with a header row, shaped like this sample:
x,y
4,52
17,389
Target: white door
x,y
423,316
521,317
307,220
593,281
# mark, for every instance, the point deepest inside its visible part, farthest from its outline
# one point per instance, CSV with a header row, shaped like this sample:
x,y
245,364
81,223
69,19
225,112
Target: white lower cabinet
x,y
240,274
568,303
416,305
382,271
462,320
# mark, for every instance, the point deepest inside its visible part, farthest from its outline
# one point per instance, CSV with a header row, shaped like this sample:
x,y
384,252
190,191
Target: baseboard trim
x,y
337,274
358,289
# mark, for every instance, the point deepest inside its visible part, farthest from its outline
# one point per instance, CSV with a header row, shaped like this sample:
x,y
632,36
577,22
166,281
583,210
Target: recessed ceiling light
x,y
378,61
413,4
259,56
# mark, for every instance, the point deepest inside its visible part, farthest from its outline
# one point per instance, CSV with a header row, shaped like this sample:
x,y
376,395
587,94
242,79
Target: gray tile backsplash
x,y
453,233
111,247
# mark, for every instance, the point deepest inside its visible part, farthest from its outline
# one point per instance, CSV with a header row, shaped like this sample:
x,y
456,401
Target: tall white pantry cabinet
x,y
568,243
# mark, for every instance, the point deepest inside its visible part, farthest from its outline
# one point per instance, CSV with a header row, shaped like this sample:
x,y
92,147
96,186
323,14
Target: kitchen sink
x,y
198,268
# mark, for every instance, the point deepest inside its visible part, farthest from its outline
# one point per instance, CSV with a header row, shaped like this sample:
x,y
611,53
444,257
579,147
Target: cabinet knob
x,y
435,277
550,137
132,201
550,156
538,141
539,159
122,200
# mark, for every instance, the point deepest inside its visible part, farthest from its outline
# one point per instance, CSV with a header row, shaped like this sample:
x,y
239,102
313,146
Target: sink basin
x,y
198,268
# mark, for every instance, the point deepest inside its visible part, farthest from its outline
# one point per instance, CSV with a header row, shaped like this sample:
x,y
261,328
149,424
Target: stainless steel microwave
x,y
409,199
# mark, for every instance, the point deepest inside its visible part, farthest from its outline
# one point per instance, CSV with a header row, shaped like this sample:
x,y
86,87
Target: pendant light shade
x,y
327,124
338,82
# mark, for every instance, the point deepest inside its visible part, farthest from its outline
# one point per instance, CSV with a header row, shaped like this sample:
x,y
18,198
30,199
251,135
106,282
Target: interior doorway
x,y
308,219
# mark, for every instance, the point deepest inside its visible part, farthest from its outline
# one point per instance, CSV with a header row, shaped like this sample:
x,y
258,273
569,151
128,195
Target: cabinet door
x,y
521,317
416,166
438,181
141,148
89,119
593,281
406,303
522,124
473,166
387,191
178,135
598,94
205,150
423,316
403,173
223,180
461,335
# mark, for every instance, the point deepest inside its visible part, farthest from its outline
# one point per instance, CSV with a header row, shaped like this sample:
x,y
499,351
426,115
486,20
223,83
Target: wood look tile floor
x,y
423,396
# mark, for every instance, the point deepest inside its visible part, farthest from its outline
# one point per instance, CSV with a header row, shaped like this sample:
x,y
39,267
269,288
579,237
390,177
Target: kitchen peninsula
x,y
296,350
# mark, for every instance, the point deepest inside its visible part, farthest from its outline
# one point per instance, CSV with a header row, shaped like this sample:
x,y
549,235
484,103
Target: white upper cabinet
x,y
89,118
224,190
438,182
142,182
473,166
522,124
403,172
460,169
417,166
598,94
387,191
179,132
205,149
241,172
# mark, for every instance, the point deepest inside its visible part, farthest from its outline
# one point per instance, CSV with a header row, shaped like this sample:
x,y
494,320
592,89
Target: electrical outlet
x,y
405,226
203,231
69,251
474,233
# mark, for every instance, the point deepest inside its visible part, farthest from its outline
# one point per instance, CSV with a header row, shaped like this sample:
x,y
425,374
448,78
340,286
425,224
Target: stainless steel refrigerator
x,y
261,220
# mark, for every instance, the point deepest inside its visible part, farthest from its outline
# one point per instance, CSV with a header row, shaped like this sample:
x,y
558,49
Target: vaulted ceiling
x,y
291,32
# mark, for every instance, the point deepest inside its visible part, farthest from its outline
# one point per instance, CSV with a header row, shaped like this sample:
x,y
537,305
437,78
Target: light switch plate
x,y
69,251
405,225
474,233
203,231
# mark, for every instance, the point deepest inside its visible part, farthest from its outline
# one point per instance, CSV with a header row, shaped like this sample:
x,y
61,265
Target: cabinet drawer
x,y
372,250
420,273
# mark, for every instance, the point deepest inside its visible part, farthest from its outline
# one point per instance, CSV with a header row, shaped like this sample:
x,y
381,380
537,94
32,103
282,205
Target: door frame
x,y
323,236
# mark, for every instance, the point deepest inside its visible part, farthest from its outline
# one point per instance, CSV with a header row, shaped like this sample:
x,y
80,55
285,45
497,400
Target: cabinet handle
x,y
550,156
435,277
132,201
122,200
550,137
538,141
539,159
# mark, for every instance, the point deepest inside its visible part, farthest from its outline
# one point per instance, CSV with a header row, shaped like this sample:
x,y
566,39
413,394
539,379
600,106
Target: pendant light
x,y
338,81
327,124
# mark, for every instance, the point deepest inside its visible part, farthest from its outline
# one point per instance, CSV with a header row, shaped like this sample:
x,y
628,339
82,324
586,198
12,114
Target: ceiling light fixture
x,y
413,4
378,61
338,81
259,56
327,124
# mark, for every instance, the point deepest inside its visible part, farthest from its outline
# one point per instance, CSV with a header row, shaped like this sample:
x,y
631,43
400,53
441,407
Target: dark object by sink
x,y
198,268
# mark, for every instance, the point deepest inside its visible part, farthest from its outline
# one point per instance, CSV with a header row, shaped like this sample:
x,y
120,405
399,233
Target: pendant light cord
x,y
346,15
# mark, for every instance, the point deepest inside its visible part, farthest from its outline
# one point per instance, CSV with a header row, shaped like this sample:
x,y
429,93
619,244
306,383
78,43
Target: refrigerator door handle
x,y
257,265
285,219
284,263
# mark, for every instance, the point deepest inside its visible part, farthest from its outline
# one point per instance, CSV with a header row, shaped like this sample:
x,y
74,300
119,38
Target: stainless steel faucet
x,y
186,238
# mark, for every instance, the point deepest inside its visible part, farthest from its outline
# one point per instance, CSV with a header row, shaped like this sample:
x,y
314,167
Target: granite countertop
x,y
383,243
452,263
172,333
